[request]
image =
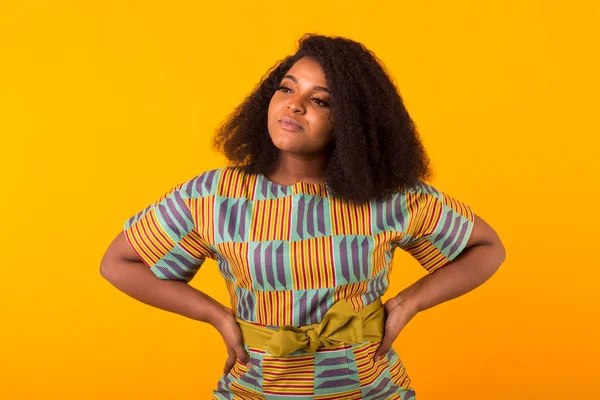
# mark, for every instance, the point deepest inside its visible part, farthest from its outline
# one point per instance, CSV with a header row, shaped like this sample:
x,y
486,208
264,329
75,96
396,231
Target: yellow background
x,y
105,105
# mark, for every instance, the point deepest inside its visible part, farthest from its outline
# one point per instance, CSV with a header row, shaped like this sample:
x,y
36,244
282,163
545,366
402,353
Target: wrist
x,y
218,314
409,304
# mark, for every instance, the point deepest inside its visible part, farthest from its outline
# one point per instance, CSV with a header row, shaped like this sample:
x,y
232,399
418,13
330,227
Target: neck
x,y
292,168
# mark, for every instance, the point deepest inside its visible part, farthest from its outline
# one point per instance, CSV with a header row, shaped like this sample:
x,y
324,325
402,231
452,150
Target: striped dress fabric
x,y
287,253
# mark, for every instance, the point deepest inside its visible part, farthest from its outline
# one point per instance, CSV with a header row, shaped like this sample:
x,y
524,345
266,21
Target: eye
x,y
284,89
320,102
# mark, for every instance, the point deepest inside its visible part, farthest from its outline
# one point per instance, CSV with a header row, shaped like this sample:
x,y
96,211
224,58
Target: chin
x,y
285,146
283,139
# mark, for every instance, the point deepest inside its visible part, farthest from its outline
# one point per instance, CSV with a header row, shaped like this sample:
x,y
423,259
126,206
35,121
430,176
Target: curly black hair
x,y
376,151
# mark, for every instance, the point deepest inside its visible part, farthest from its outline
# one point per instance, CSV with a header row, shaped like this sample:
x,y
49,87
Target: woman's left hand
x,y
398,314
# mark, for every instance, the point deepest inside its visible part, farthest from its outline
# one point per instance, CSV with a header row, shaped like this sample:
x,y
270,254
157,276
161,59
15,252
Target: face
x,y
299,111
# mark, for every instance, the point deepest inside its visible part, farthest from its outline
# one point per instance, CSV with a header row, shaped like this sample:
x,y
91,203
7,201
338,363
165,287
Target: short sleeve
x,y
165,236
436,226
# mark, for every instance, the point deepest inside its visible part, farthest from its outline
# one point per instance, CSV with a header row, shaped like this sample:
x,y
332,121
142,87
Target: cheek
x,y
276,102
270,109
324,126
271,113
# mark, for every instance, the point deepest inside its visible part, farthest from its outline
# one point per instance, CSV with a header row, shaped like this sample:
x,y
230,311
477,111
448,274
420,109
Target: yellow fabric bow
x,y
340,325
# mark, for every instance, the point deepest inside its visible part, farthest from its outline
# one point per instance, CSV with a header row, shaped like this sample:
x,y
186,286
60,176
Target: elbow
x,y
107,268
103,270
499,254
501,250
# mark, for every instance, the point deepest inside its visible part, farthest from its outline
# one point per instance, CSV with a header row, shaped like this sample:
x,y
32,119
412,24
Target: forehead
x,y
309,70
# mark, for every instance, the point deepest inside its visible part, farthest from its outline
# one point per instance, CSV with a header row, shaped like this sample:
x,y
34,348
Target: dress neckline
x,y
299,183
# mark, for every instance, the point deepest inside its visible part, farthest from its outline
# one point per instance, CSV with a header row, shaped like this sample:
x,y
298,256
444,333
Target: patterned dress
x,y
287,253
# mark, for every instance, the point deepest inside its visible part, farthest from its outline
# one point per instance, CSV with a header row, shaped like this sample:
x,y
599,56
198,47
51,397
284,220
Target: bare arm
x,y
481,258
124,270
122,267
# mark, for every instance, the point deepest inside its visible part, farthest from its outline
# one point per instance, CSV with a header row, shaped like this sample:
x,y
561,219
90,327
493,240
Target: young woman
x,y
327,179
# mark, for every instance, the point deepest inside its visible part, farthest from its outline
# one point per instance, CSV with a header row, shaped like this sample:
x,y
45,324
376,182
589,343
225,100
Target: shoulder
x,y
216,181
202,184
428,198
422,188
419,190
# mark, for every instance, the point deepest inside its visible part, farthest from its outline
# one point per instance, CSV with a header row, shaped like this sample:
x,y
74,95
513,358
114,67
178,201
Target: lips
x,y
290,124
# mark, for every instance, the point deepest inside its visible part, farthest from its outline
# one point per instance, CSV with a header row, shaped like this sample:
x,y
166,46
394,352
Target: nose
x,y
295,106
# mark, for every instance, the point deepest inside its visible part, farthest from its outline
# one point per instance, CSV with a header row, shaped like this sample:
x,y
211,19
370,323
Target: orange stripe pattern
x,y
287,254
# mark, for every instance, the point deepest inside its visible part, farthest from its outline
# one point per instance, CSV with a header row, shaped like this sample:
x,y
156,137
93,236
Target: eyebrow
x,y
320,88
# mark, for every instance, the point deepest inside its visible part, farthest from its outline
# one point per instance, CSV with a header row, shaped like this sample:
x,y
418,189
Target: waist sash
x,y
340,325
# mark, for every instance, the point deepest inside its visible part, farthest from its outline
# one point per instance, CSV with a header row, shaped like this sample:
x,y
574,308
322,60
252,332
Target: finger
x,y
381,351
229,362
384,346
241,354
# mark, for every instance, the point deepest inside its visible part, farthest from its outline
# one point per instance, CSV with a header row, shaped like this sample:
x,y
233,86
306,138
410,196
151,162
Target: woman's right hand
x,y
232,336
